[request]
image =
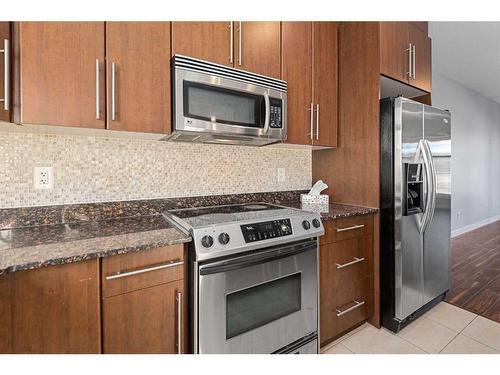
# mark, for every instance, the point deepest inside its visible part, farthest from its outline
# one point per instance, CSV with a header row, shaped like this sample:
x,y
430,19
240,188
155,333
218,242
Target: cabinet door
x,y
59,79
297,72
422,43
145,321
211,41
257,47
5,89
51,310
140,98
393,50
325,85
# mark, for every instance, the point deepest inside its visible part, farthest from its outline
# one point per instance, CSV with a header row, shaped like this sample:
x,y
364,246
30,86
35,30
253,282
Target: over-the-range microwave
x,y
213,103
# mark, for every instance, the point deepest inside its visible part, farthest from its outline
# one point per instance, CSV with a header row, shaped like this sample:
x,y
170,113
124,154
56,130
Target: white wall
x,y
475,151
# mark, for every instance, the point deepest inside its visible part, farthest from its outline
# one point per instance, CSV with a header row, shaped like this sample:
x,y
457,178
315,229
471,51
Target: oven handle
x,y
258,258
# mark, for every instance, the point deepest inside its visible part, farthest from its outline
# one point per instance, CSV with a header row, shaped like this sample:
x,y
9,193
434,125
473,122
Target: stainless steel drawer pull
x,y
118,275
350,228
410,60
240,33
317,121
97,90
113,91
356,260
6,72
357,304
311,121
231,42
178,299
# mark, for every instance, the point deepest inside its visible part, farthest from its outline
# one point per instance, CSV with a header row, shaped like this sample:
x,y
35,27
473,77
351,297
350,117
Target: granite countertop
x,y
339,210
42,236
39,246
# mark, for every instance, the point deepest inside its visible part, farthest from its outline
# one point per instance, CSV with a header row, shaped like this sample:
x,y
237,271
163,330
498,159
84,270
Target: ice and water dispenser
x,y
413,200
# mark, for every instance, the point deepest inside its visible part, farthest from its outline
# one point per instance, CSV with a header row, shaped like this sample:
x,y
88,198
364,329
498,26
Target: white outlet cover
x,y
43,178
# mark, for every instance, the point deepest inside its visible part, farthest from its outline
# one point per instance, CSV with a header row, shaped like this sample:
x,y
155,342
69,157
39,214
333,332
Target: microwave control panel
x,y
266,230
276,116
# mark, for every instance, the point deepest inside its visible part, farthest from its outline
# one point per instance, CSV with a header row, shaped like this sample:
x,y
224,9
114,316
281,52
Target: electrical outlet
x,y
459,215
43,178
281,175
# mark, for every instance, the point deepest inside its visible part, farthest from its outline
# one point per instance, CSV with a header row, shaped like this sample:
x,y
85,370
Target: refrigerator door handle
x,y
433,190
422,154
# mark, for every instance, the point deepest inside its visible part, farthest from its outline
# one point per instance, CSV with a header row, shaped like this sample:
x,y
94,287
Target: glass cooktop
x,y
214,215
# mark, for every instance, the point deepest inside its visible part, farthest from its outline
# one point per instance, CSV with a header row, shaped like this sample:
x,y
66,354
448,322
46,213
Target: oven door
x,y
206,103
258,303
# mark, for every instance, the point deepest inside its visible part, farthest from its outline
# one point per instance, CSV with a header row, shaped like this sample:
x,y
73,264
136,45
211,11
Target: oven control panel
x,y
276,118
266,230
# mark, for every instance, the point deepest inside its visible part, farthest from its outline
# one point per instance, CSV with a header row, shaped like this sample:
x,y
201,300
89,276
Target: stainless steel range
x,y
254,278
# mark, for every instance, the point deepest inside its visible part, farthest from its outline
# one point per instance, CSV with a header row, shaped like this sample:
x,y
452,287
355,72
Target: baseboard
x,y
470,227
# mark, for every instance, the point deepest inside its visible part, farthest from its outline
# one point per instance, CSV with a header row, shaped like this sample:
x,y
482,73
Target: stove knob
x,y
224,238
207,241
306,225
316,223
284,228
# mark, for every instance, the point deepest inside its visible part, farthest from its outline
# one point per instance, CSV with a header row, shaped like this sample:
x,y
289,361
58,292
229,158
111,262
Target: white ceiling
x,y
468,52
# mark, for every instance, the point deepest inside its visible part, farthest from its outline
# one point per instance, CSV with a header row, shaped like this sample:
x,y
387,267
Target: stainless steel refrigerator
x,y
415,209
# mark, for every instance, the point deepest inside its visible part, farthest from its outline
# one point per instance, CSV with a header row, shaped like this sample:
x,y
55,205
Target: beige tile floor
x,y
445,329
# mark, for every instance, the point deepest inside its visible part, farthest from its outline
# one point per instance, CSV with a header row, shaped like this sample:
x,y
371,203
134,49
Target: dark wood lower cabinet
x,y
146,320
346,278
51,310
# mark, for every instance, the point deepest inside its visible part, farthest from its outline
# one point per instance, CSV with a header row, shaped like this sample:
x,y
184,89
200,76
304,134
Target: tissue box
x,y
316,203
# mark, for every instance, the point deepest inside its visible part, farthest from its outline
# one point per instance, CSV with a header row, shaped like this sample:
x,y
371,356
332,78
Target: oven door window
x,y
221,105
253,307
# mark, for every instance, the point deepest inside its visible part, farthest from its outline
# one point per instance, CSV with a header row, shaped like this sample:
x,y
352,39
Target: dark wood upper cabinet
x,y
325,86
405,53
251,46
297,71
51,310
138,55
394,53
310,67
422,77
210,41
5,87
60,83
257,47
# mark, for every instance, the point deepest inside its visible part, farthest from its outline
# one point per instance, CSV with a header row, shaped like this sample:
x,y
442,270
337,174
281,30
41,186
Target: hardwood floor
x,y
475,271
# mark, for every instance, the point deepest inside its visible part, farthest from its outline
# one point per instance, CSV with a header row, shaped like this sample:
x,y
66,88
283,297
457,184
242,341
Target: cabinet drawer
x,y
354,304
342,229
128,272
353,259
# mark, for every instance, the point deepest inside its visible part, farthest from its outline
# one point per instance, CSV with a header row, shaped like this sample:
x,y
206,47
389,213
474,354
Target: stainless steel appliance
x,y
415,209
217,104
254,278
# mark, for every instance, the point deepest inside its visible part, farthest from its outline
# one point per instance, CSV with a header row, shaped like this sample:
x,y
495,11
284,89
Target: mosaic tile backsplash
x,y
99,169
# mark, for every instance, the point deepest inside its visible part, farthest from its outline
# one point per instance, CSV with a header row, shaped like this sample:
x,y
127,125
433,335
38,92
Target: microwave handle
x,y
268,112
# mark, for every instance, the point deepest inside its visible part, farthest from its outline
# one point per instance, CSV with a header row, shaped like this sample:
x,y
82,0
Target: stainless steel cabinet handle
x,y
414,62
119,275
240,33
97,91
357,305
350,228
178,299
311,121
356,260
113,91
410,50
317,121
6,73
231,42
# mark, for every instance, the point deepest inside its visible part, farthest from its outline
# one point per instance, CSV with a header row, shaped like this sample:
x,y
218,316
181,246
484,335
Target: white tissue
x,y
318,188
